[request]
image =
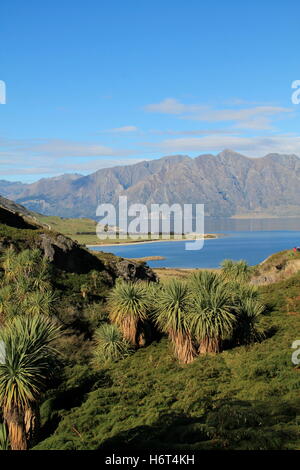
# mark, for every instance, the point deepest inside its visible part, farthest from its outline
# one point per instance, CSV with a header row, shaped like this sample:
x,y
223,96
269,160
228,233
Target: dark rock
x,y
13,219
68,255
131,270
65,253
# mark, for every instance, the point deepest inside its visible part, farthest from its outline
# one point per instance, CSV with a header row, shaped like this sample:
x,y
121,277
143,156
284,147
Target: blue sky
x,y
100,83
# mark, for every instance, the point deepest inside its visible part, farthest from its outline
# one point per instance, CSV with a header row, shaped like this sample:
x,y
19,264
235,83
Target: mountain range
x,y
229,184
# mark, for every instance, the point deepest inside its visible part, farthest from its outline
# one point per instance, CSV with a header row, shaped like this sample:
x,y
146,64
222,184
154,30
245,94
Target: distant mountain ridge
x,y
229,184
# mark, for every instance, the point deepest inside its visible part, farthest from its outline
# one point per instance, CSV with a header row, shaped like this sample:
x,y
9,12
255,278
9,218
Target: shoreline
x,y
208,236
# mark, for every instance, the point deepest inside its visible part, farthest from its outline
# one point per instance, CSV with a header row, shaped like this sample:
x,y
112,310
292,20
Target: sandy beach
x,y
207,236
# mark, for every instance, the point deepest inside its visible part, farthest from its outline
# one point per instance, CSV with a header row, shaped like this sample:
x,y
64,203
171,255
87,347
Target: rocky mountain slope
x,y
22,231
228,184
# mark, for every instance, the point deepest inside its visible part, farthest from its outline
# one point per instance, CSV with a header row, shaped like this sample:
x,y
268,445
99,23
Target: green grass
x,y
19,235
83,230
279,259
166,274
244,398
72,228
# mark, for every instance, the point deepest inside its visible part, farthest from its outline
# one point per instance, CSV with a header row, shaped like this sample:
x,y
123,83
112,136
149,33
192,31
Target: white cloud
x,y
251,117
57,148
244,114
171,106
84,168
257,123
123,129
254,146
194,132
57,156
62,148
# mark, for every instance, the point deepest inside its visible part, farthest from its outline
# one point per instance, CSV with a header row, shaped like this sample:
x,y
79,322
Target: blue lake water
x,y
253,246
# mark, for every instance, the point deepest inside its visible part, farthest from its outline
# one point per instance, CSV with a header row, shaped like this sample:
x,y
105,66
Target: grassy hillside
x,y
244,398
277,267
68,226
176,273
83,230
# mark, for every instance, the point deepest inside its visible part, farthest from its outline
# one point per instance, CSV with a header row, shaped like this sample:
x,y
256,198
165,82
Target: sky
x,y
101,83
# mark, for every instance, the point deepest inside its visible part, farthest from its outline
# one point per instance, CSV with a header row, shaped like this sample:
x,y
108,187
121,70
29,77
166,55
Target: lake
x,y
252,244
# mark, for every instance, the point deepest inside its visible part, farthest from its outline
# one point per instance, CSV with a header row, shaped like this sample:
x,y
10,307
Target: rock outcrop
x,y
63,252
130,270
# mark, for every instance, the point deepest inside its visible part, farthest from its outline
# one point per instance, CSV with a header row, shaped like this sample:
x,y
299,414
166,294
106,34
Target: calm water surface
x,y
256,242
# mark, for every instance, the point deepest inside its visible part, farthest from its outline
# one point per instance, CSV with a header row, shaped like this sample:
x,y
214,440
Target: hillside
x,y
277,267
21,230
229,184
80,278
244,398
15,208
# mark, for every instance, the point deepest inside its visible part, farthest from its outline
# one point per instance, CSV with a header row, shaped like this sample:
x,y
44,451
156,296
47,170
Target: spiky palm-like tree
x,y
4,442
39,302
212,317
110,344
28,267
25,286
248,329
28,263
17,264
236,270
29,362
227,265
129,306
242,290
9,303
18,300
8,260
41,280
203,281
170,313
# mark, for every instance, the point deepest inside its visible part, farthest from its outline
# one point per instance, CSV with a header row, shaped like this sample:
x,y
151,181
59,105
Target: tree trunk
x,y
129,330
183,346
209,345
143,334
32,422
14,418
